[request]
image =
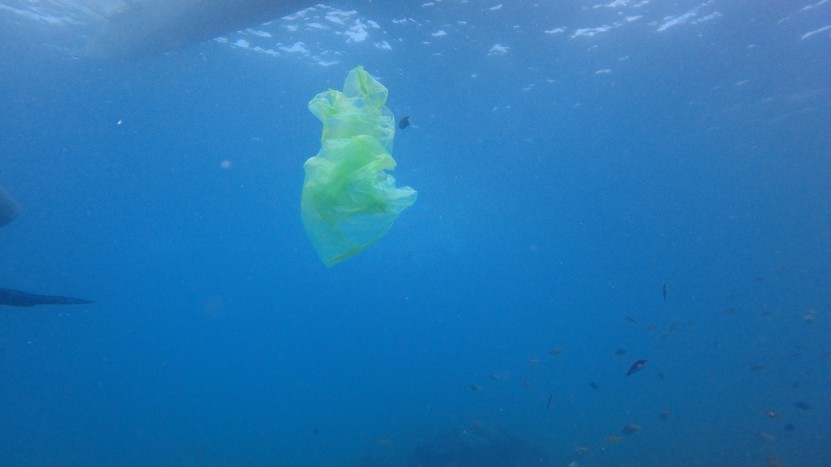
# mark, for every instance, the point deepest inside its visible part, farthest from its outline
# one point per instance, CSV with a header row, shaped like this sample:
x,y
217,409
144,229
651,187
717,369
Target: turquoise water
x,y
572,160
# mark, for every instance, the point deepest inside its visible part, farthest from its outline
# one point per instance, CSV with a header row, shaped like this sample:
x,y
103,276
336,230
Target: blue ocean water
x,y
599,183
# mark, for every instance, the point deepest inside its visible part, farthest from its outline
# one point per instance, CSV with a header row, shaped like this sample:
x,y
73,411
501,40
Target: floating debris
x,y
636,367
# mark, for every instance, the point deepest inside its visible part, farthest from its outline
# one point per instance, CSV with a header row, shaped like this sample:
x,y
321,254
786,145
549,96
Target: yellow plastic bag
x,y
349,201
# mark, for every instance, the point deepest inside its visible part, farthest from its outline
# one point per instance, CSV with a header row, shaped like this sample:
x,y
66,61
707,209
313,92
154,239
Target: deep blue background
x,y
548,217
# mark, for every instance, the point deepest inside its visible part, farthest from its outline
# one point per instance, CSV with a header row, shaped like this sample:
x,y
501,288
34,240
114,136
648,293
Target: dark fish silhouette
x,y
802,405
9,297
630,429
593,385
755,367
665,292
550,400
404,122
636,367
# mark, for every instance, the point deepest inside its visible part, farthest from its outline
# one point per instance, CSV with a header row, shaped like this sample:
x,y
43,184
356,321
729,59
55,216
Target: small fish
x,y
790,427
550,400
620,352
773,414
630,429
664,290
666,415
766,437
533,362
636,367
802,405
756,367
404,122
594,385
556,352
475,387
582,450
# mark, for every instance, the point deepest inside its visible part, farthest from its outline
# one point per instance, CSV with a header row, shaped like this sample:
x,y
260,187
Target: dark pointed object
x,y
636,367
404,122
10,297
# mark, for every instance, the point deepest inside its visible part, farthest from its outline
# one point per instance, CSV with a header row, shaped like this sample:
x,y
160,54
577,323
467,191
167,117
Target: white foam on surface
x,y
498,49
815,31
